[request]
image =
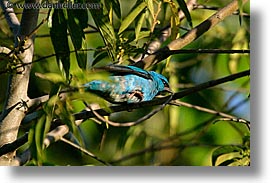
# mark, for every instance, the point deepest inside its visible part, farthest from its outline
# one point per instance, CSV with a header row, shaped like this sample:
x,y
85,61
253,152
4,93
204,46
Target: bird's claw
x,y
135,96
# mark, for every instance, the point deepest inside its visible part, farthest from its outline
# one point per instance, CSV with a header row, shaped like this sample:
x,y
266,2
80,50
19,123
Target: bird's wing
x,y
123,70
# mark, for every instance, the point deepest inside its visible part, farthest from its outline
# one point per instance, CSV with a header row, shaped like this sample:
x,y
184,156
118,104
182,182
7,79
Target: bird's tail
x,y
97,86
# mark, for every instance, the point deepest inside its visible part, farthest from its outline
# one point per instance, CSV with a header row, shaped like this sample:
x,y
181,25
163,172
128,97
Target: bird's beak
x,y
167,89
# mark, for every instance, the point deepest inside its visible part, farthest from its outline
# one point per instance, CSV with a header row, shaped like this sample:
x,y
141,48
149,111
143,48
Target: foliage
x,y
184,132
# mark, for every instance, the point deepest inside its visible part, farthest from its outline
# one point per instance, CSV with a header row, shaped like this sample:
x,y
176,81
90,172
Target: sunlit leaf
x,y
143,34
224,150
39,135
150,6
139,26
53,77
174,20
115,6
131,17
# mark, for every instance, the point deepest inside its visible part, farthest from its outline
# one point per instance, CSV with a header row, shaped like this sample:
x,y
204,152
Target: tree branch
x,y
190,36
84,151
11,18
14,145
86,114
132,123
62,130
227,117
11,116
81,116
165,33
216,51
206,7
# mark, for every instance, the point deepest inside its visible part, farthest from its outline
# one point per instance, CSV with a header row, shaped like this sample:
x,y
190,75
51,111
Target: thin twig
x,y
43,58
216,51
211,111
210,84
207,7
200,51
238,120
85,151
132,123
154,148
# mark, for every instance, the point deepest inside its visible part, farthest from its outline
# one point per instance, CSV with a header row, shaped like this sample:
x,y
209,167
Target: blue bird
x,y
129,84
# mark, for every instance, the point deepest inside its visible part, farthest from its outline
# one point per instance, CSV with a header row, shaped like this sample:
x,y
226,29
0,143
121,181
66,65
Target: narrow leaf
x,y
106,30
39,135
75,27
116,8
185,10
58,33
224,150
229,161
99,57
139,25
150,6
144,34
174,20
53,77
131,17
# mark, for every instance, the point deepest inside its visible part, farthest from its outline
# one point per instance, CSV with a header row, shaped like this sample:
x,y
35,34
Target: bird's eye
x,y
165,83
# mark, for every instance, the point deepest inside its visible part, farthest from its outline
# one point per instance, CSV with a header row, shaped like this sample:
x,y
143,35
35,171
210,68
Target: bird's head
x,y
161,81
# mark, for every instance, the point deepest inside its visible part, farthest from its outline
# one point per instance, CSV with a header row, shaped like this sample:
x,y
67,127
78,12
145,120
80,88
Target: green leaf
x,y
139,26
174,20
131,17
144,34
41,129
229,161
75,27
224,150
99,57
31,141
106,30
58,33
150,6
50,18
115,4
81,15
53,77
116,7
185,10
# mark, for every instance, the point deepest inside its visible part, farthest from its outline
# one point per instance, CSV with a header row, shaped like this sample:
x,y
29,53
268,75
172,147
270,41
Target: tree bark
x,y
15,108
